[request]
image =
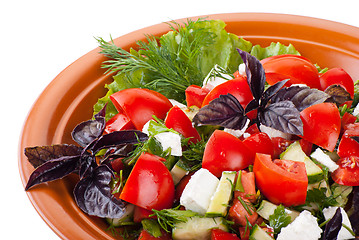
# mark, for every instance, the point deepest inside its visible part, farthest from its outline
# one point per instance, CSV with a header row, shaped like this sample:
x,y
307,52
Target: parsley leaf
x,y
279,219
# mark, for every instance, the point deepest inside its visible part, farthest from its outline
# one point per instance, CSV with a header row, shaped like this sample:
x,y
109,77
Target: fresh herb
x,y
354,217
192,156
152,227
167,218
172,62
279,219
338,94
320,198
94,178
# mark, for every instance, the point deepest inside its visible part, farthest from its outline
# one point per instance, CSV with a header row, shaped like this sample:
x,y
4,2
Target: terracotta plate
x,y
69,98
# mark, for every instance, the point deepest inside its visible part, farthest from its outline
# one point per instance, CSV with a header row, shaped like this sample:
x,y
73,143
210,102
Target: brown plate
x,y
69,98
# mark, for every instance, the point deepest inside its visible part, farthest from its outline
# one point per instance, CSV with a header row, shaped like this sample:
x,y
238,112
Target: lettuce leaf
x,y
177,59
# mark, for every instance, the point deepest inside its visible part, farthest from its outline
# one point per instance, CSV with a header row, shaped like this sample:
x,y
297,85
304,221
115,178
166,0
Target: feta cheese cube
x,y
199,190
324,159
170,140
343,232
304,227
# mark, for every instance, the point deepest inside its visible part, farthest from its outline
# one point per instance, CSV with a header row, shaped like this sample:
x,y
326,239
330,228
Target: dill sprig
x,y
170,62
167,218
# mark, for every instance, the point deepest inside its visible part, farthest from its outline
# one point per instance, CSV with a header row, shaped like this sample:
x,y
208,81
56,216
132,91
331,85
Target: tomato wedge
x,y
349,147
195,95
140,105
337,76
321,125
118,122
259,143
219,234
281,181
238,87
296,68
348,171
178,121
225,152
150,185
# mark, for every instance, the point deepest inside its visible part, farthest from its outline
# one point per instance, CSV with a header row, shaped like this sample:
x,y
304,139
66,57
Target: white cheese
x,y
216,77
343,233
199,190
242,69
304,227
324,159
274,132
170,140
356,111
178,104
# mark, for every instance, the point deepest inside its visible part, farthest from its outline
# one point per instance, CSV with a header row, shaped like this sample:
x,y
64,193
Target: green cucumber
x,y
258,233
220,200
197,228
267,208
294,152
178,173
127,217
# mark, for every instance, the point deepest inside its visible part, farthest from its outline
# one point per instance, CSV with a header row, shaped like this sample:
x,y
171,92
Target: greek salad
x,y
203,135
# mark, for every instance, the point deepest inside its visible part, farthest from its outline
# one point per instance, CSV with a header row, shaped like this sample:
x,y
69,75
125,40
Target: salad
x,y
202,135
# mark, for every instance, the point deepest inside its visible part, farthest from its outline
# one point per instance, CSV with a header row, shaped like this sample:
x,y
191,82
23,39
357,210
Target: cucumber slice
x,y
267,208
197,228
295,153
127,217
178,173
222,196
259,234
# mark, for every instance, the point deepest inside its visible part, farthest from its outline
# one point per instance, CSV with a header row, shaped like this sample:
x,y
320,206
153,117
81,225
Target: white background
x,y
38,39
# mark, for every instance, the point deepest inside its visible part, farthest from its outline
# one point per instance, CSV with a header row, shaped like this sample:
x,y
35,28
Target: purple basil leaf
x,y
93,195
338,94
252,105
255,74
333,226
271,91
282,116
225,111
52,170
354,217
41,154
119,138
301,96
356,138
88,131
87,164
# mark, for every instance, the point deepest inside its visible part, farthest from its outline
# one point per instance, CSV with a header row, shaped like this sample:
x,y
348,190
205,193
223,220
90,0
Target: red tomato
x,y
238,87
349,147
259,143
219,234
144,235
252,129
337,76
249,187
118,122
195,95
306,146
347,119
296,68
225,152
279,145
240,214
117,164
181,185
141,104
321,125
150,184
178,121
348,171
141,213
281,181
